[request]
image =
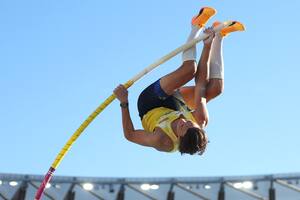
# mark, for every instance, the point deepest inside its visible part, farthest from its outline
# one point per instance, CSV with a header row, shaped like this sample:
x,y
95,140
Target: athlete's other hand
x,y
121,93
210,31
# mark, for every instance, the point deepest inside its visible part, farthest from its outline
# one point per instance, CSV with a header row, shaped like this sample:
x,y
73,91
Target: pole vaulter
x,y
203,36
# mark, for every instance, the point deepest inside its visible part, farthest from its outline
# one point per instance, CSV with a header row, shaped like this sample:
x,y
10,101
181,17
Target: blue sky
x,y
61,59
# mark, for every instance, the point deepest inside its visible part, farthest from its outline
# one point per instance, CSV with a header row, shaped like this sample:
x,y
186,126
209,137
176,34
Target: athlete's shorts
x,y
154,96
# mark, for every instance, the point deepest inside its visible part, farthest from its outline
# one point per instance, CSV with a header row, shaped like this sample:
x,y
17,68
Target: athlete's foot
x,y
204,15
234,26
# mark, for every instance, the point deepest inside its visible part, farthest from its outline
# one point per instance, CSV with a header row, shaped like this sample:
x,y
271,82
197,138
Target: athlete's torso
x,y
161,118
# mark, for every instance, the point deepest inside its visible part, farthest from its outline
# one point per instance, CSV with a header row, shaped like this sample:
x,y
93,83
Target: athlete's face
x,y
183,125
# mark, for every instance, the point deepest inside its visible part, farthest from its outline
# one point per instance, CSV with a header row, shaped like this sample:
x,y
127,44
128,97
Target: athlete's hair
x,y
192,142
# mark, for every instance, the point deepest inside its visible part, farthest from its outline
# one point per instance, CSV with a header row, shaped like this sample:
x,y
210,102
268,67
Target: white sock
x,y
216,66
191,54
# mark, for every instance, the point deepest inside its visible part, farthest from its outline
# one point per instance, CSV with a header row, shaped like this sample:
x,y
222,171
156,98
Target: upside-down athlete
x,y
173,115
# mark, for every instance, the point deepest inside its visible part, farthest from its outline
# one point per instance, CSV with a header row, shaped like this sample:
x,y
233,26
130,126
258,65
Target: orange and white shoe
x,y
234,26
204,15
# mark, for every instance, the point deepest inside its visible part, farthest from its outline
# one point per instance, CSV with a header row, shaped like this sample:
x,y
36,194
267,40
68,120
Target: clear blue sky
x,y
60,60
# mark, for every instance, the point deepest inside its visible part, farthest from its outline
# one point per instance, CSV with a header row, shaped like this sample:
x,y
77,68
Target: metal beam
x,y
3,197
141,192
96,195
247,192
92,193
285,184
20,194
221,193
70,193
171,194
181,186
121,193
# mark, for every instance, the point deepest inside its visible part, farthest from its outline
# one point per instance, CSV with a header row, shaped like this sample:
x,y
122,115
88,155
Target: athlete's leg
x,y
215,85
179,77
213,75
187,70
215,82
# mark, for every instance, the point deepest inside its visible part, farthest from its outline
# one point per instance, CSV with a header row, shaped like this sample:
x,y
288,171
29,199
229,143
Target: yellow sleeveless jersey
x,y
163,117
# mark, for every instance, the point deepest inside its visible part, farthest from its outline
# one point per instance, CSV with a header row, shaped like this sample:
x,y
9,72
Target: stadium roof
x,y
281,186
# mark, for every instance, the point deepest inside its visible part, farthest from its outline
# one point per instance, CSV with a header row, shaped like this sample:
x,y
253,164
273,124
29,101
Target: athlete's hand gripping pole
x,y
129,83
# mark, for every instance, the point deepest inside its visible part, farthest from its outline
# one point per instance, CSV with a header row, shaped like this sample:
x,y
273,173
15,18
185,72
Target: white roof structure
x,y
262,187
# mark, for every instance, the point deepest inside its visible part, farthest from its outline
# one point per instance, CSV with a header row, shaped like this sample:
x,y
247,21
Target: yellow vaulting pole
x,y
129,83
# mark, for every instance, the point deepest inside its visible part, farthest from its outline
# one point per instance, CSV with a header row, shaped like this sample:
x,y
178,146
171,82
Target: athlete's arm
x,y
141,137
201,79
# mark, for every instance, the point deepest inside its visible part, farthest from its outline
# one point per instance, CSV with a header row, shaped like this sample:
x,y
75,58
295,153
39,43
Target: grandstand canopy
x,y
276,186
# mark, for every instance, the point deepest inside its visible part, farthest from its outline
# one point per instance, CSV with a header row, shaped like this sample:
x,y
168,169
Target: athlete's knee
x,y
215,88
219,87
190,67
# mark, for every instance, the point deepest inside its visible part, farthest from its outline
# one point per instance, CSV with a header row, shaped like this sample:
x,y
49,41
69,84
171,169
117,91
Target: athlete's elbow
x,y
128,135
